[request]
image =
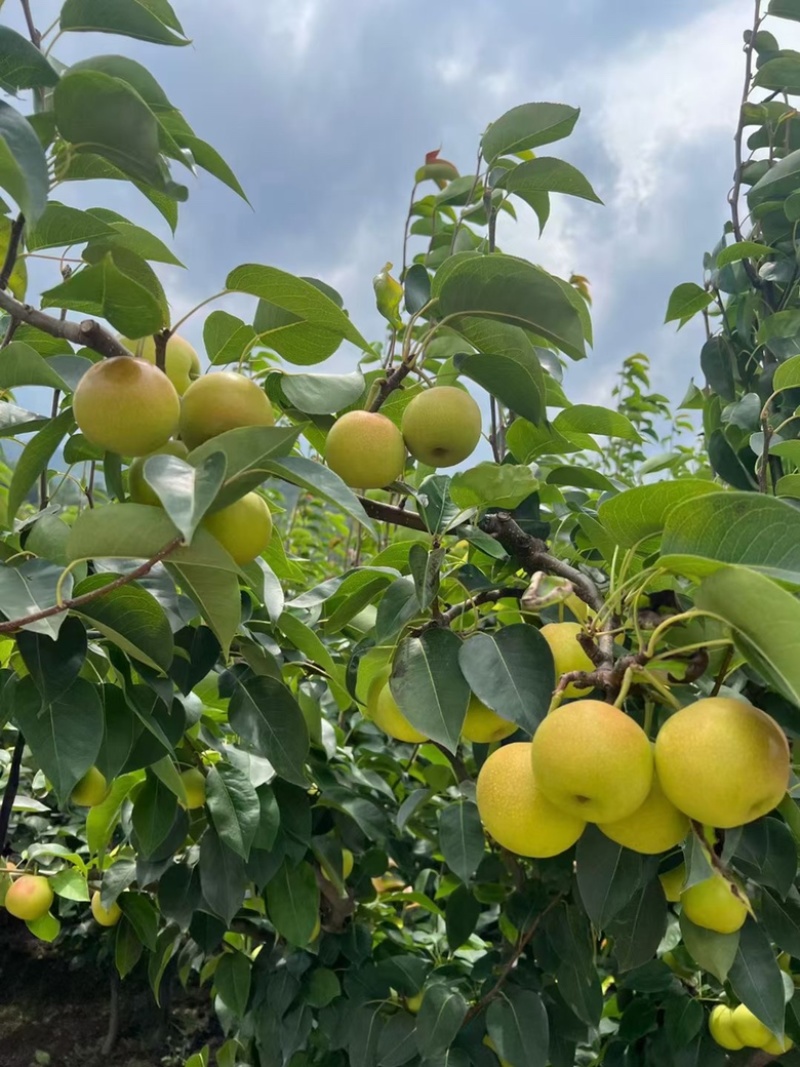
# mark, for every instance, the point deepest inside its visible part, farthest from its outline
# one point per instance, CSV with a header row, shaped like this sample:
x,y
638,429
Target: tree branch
x,y
12,625
87,334
388,513
35,36
10,791
17,226
735,193
488,596
389,384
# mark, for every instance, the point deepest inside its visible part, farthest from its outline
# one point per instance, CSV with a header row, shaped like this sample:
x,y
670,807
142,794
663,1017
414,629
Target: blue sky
x,y
325,110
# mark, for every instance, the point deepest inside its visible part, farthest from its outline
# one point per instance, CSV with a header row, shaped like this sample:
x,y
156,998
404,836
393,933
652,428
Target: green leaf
x,y
234,807
246,451
756,977
308,323
546,175
782,177
103,289
461,916
510,290
227,339
22,365
764,619
461,838
34,459
232,979
127,948
320,481
125,236
741,250
785,9
518,1026
767,852
637,929
102,819
307,641
429,687
186,491
571,938
782,921
439,1020
128,70
322,394
223,879
71,885
511,671
146,20
781,73
713,952
581,477
528,126
425,569
210,160
505,364
46,928
608,875
683,1020
31,587
54,664
154,812
323,987
685,301
23,166
586,418
787,376
64,736
22,65
500,485
417,288
131,618
60,226
266,715
641,512
293,902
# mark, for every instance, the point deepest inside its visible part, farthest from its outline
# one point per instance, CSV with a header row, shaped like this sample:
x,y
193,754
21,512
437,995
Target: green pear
x,y
365,449
442,426
181,363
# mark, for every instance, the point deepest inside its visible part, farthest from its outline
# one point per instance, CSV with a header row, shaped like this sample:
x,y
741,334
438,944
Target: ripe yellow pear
x,y
777,1046
105,916
139,490
568,655
243,528
219,402
720,1026
29,897
484,726
182,363
722,761
441,426
365,449
672,882
515,811
92,789
592,760
347,865
194,783
126,405
749,1028
383,710
715,905
654,827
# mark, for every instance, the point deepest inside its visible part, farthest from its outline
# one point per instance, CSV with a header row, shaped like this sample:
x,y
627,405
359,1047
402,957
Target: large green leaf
x,y
22,365
587,418
234,807
223,879
547,175
641,512
293,902
511,670
322,394
232,979
528,126
639,926
518,1026
103,289
713,952
781,73
505,364
226,337
756,977
23,166
131,618
512,291
499,485
31,587
784,9
64,736
246,452
750,529
429,687
22,65
608,875
461,838
309,321
320,481
54,664
186,491
128,70
764,619
685,301
267,716
439,1020
146,20
154,812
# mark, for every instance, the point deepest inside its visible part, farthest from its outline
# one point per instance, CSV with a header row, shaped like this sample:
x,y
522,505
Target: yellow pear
x,y
593,761
244,528
515,811
672,882
441,426
140,491
776,1047
414,1003
365,449
92,789
194,783
483,726
749,1028
568,655
720,1026
29,897
715,905
126,405
181,364
722,761
654,827
219,402
383,710
105,916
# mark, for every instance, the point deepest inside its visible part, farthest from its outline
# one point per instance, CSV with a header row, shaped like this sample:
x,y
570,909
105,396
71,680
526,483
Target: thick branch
x,y
12,625
10,791
388,513
87,334
17,226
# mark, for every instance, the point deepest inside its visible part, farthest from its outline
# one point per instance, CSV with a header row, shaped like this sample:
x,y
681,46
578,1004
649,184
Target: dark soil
x,y
55,1013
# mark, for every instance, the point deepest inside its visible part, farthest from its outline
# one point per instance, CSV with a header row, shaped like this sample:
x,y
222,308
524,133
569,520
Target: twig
x,y
34,34
10,791
87,334
390,383
735,193
488,596
388,513
13,326
723,670
17,226
161,339
43,475
12,625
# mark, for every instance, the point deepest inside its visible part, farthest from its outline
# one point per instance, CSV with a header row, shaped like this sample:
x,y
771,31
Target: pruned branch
x,y
86,334
12,625
389,513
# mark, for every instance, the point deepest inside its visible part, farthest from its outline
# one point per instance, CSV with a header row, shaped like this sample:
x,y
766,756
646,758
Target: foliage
x,y
133,643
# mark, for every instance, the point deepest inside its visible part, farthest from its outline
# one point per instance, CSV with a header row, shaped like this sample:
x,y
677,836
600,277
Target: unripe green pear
x,y
194,783
365,449
715,905
244,528
181,363
91,790
442,426
29,897
220,402
139,489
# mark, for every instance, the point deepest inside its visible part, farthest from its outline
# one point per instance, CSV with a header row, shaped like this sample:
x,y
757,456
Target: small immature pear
x,y
484,726
105,916
442,426
720,1026
91,790
414,1003
139,489
388,295
29,897
365,449
714,905
126,405
219,402
568,654
194,783
182,363
244,528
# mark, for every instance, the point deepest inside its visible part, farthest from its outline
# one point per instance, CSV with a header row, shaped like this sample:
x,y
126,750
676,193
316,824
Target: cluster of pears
x,y
128,406
440,427
737,1028
30,897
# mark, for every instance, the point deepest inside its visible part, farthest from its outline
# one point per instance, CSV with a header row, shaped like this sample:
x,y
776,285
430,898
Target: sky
x,y
324,110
